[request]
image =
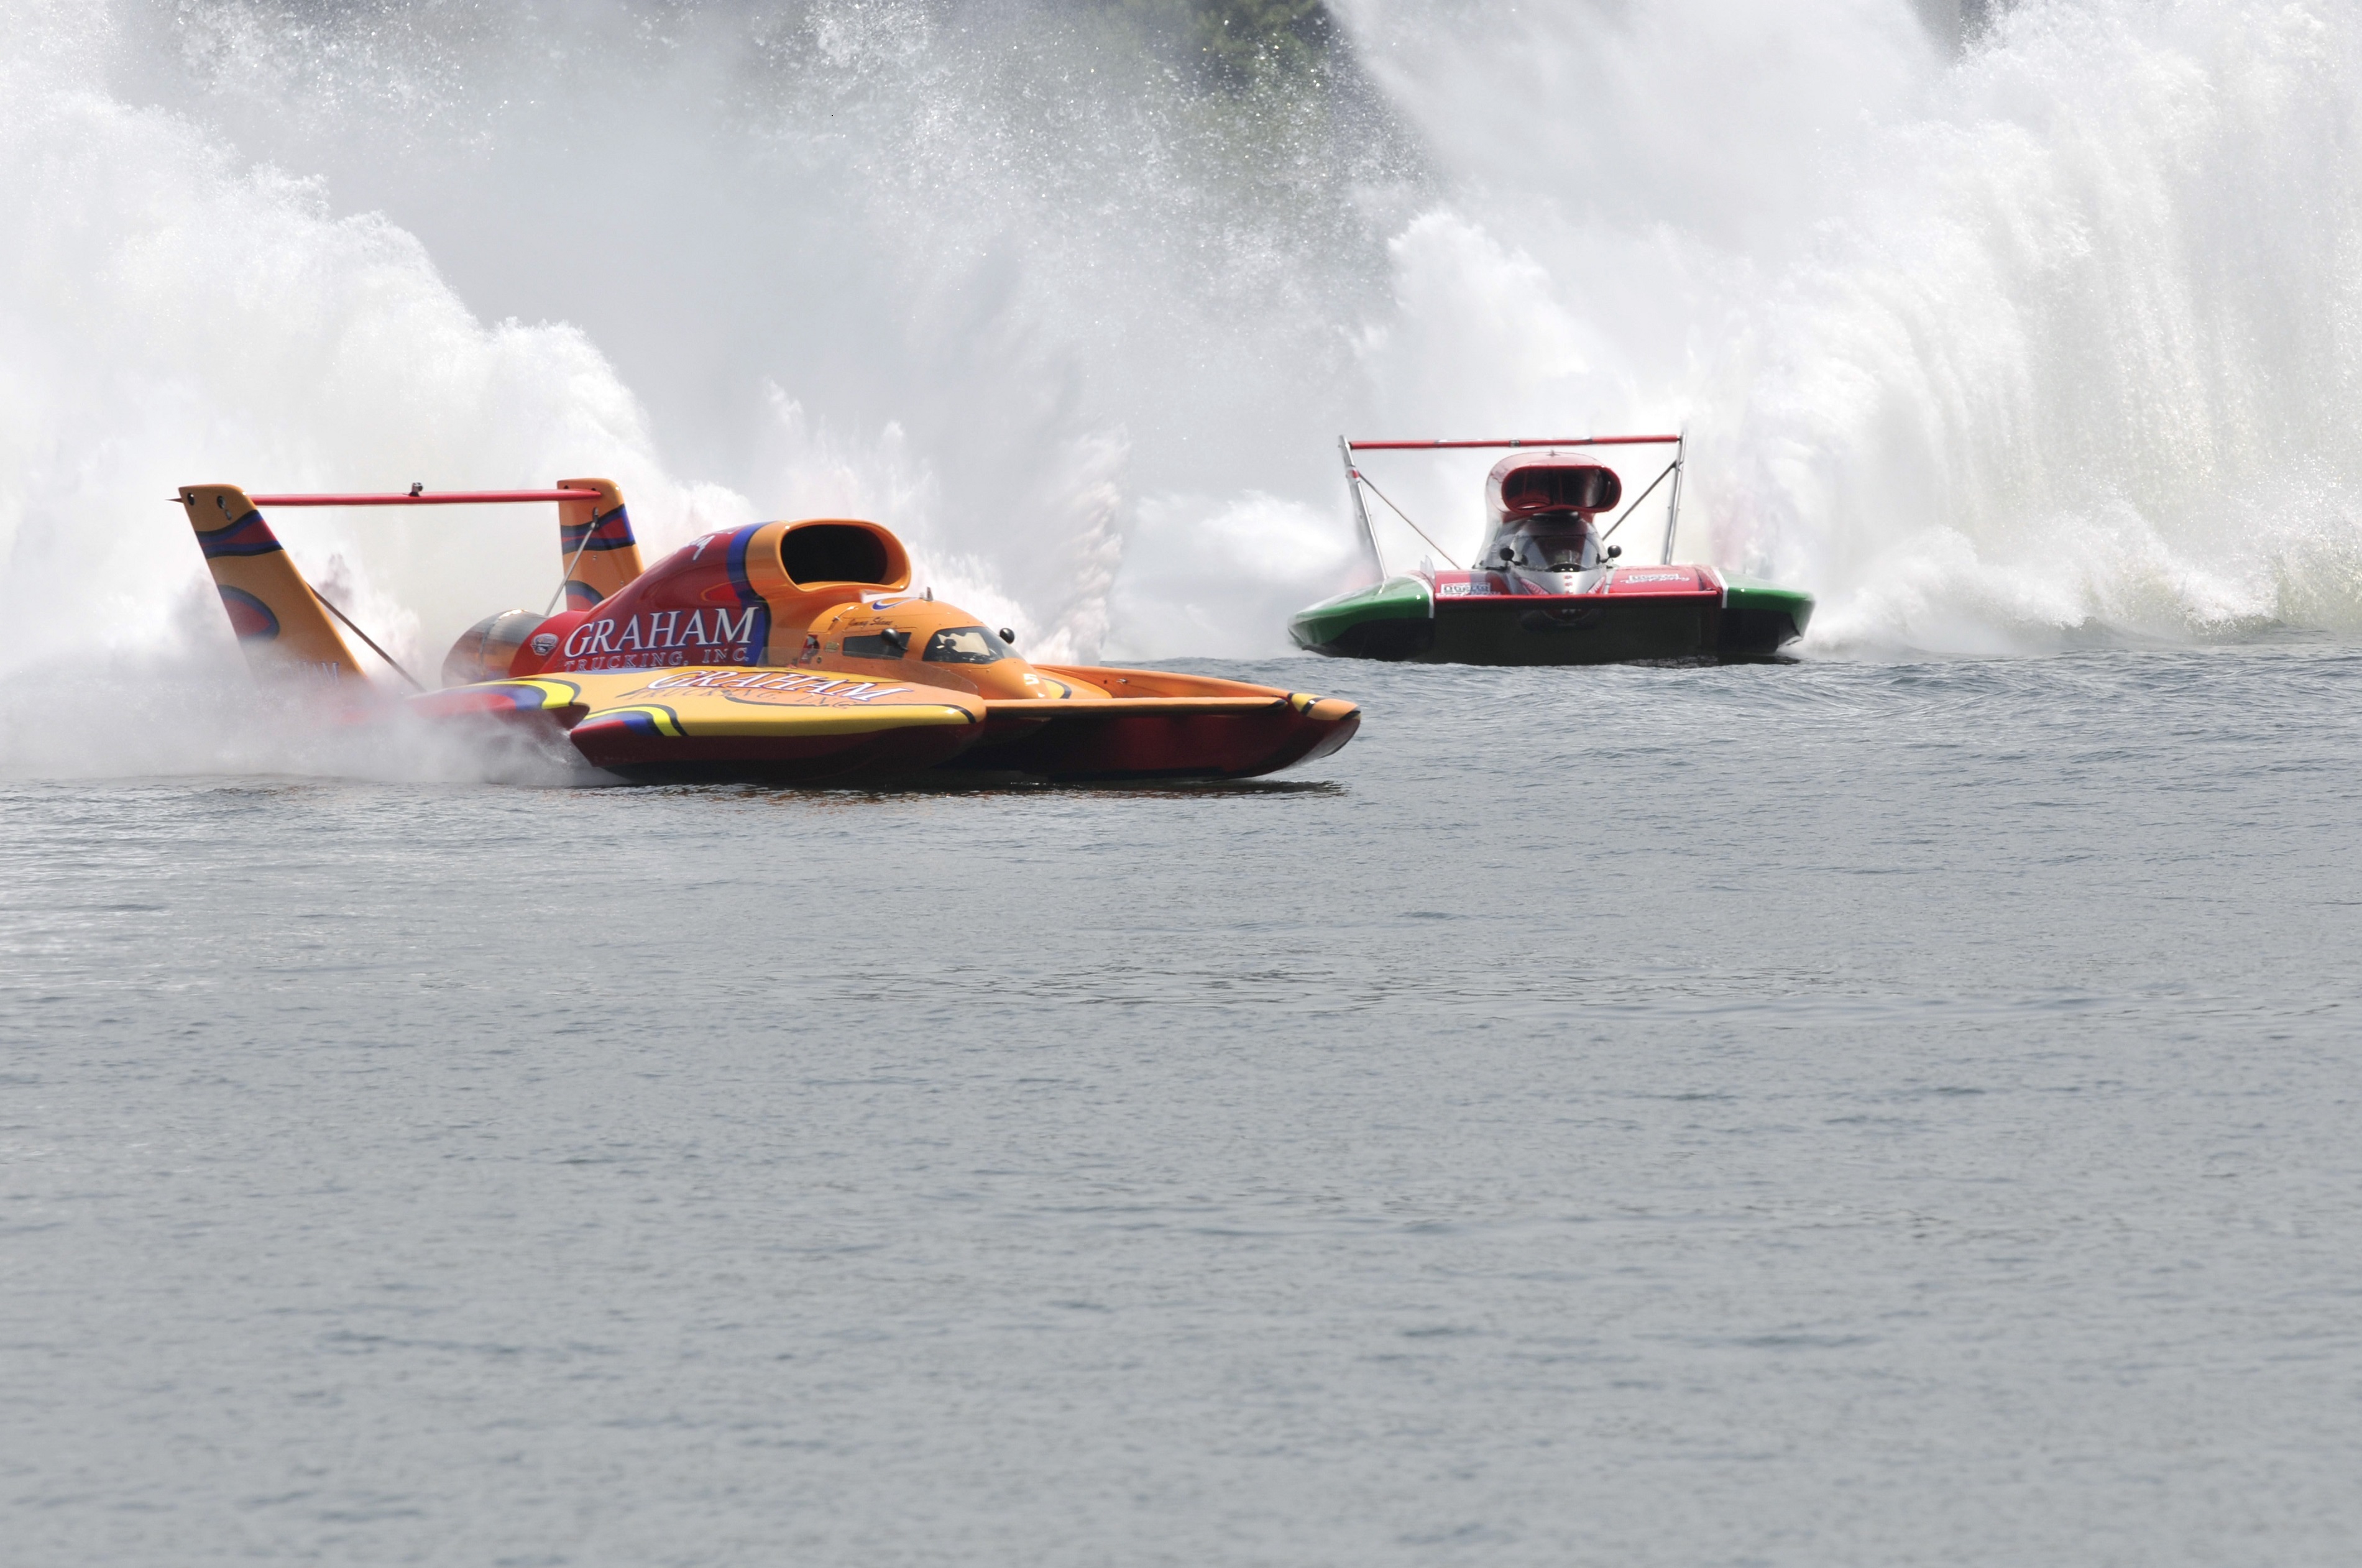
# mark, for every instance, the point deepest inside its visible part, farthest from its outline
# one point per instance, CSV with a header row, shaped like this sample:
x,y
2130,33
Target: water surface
x,y
1829,1114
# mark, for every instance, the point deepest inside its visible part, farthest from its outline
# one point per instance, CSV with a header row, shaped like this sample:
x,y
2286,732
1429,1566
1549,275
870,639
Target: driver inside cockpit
x,y
1554,541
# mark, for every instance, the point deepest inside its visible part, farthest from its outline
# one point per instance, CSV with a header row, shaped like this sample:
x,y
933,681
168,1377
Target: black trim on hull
x,y
1605,631
1392,641
1756,633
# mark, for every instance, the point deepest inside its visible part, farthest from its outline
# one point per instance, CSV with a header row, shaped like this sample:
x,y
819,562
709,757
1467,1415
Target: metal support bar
x,y
1415,529
1673,502
566,573
1361,512
1644,495
330,606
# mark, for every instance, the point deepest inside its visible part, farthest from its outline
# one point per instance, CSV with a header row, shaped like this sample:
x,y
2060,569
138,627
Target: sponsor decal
x,y
777,685
656,638
1482,584
1653,577
545,643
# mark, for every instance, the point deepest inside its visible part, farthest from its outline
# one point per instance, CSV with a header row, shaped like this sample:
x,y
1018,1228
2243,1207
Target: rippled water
x,y
1829,1114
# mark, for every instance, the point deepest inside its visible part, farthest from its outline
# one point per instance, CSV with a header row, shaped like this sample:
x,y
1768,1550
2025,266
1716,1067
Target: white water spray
x,y
2047,340
2052,342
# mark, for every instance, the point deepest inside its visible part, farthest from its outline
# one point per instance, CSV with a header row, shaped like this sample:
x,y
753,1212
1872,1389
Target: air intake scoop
x,y
1524,486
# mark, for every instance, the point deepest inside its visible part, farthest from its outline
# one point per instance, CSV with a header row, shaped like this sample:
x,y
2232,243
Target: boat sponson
x,y
1390,620
1161,724
1760,618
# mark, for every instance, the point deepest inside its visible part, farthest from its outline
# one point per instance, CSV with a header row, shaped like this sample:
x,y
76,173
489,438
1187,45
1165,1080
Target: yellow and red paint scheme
x,y
594,533
792,651
278,620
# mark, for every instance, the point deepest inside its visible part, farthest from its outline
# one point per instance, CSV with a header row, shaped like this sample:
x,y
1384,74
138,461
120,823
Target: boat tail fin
x,y
279,620
595,542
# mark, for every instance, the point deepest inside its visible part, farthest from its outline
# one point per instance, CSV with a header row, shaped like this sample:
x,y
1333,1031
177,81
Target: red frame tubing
x,y
1452,446
428,498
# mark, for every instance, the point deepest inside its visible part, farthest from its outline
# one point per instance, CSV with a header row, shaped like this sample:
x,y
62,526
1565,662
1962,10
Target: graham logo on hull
x,y
657,638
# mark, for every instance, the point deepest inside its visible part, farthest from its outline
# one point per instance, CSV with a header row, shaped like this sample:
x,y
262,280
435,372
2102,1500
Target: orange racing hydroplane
x,y
789,652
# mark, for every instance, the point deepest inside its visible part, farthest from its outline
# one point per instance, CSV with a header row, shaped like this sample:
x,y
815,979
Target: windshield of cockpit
x,y
1555,541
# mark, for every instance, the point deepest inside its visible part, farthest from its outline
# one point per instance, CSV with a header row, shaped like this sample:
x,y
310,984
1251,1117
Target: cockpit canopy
x,y
1549,541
